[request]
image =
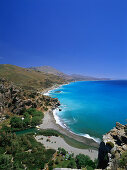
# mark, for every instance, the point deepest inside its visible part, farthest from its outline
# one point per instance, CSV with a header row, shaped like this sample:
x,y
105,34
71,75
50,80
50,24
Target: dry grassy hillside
x,y
28,79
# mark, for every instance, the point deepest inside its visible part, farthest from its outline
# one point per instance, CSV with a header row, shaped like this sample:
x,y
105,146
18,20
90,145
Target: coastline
x,y
47,91
49,122
57,119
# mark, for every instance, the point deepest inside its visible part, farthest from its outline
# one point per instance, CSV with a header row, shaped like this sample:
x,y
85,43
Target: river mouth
x,y
26,131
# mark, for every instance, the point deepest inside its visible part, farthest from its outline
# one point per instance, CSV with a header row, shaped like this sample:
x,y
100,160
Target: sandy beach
x,y
56,142
50,123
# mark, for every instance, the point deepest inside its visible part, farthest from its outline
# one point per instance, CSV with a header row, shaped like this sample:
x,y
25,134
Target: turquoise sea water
x,y
92,108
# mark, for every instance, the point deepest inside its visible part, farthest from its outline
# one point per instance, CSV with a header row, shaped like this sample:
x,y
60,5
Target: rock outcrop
x,y
112,148
14,100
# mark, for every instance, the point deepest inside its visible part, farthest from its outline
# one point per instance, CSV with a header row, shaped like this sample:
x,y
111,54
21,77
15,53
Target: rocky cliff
x,y
113,149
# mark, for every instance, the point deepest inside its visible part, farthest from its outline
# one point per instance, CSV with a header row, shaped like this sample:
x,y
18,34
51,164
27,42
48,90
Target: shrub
x,y
72,164
62,151
123,160
56,161
5,162
16,122
82,161
48,132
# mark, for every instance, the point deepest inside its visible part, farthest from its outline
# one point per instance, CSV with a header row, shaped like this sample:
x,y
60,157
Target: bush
x,y
56,161
72,164
48,132
82,161
123,160
35,121
16,122
32,117
5,162
62,151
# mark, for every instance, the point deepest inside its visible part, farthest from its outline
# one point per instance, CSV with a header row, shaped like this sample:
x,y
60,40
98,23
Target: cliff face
x,y
14,100
113,149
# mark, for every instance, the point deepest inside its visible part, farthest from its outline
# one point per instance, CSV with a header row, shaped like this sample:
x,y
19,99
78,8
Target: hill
x,y
79,77
28,78
51,70
72,77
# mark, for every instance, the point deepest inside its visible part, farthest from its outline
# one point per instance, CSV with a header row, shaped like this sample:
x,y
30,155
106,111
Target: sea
x,y
91,108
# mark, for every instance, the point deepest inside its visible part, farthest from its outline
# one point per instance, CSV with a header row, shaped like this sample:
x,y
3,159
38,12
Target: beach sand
x,y
50,123
56,142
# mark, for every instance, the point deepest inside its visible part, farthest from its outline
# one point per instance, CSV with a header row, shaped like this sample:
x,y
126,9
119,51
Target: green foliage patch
x,y
25,151
30,118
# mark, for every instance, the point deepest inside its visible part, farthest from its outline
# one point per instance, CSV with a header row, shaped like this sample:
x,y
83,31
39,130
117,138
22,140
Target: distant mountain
x,y
79,77
51,70
72,77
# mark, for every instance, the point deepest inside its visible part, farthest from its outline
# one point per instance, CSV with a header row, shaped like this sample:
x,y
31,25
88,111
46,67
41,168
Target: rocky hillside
x,y
113,149
15,100
29,79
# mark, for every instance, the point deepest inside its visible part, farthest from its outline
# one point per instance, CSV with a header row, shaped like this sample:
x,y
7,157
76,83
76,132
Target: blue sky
x,y
75,36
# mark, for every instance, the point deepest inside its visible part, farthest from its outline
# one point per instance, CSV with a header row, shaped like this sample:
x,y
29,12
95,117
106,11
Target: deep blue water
x,y
92,107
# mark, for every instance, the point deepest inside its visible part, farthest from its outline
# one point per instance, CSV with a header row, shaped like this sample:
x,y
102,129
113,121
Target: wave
x,y
98,140
57,118
62,123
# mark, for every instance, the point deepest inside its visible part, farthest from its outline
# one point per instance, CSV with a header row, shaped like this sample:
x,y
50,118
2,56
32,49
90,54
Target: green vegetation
x,y
5,162
24,150
122,162
27,78
70,141
49,132
82,161
31,118
77,144
67,160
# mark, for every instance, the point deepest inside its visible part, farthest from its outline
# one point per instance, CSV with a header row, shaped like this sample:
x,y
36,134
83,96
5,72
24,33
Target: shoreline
x,y
63,125
54,142
49,122
47,91
58,120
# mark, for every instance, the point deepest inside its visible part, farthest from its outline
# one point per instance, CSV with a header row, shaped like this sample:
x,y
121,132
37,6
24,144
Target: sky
x,y
87,37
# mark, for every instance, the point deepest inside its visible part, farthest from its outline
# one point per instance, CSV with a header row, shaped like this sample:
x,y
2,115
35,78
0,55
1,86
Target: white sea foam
x,y
63,124
57,119
53,90
46,94
98,140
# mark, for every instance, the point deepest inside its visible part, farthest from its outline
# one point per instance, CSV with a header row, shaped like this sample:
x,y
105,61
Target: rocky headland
x,y
113,149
